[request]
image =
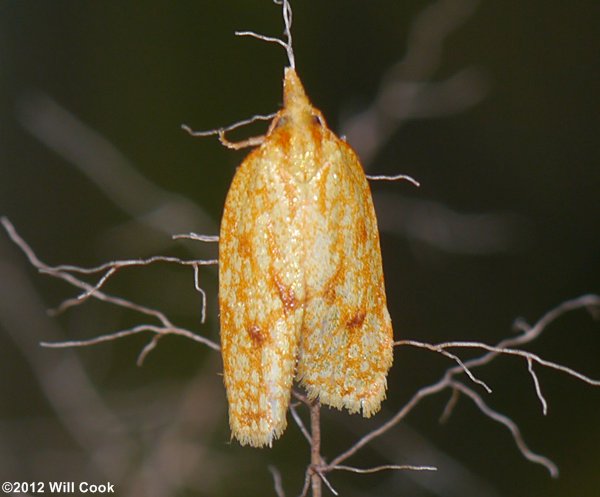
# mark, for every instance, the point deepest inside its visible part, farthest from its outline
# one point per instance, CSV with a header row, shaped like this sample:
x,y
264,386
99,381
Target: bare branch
x,y
450,405
197,237
437,348
306,485
231,127
399,416
202,292
64,273
277,481
327,483
447,381
496,350
300,423
397,177
315,450
158,330
270,39
133,263
538,389
512,427
287,22
446,229
385,467
149,347
406,91
103,164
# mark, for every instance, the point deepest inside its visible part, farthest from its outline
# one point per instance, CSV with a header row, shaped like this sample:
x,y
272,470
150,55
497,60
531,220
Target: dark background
x,y
504,225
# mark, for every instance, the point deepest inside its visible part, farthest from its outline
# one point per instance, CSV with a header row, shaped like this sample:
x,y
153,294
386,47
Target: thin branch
x,y
112,268
133,263
407,92
512,427
306,485
103,164
589,302
400,415
397,177
450,405
287,21
62,272
221,133
315,450
385,467
327,483
258,36
497,350
149,347
437,348
447,381
202,292
88,293
277,484
231,127
158,330
300,423
538,389
197,237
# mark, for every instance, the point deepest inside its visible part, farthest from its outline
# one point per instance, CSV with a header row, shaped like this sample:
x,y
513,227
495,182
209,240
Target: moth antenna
x,y
287,22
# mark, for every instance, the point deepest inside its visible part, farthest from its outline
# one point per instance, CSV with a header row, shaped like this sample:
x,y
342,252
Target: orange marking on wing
x,y
287,295
356,321
256,334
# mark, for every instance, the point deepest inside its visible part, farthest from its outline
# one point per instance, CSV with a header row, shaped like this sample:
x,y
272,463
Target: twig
x,y
197,237
306,485
202,292
497,350
327,483
406,90
300,423
158,330
397,177
287,22
103,164
220,132
512,427
440,349
385,467
315,449
225,129
132,263
450,405
277,481
538,389
448,381
64,273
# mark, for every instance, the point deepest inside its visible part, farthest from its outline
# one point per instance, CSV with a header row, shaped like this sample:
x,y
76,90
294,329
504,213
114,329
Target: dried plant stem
x,y
315,448
67,273
505,347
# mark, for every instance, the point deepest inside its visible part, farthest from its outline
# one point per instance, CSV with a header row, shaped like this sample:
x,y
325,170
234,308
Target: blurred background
x,y
492,106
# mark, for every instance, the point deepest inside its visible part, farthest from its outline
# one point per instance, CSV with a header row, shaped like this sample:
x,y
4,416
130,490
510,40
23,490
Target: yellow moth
x,y
301,290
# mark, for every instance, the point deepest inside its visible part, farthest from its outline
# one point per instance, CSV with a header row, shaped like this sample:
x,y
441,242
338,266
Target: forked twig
x,y
512,427
67,273
449,381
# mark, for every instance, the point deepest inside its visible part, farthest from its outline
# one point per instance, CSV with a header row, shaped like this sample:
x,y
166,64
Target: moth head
x,y
297,108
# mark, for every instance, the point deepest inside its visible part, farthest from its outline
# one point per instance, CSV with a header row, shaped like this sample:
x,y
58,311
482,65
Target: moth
x,y
301,288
